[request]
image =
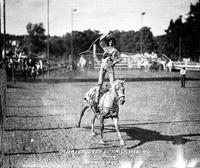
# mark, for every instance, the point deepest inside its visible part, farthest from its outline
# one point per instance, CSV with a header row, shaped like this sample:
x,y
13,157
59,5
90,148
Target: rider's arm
x,y
118,58
102,42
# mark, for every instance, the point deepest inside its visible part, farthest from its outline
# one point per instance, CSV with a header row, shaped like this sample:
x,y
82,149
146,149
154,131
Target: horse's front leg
x,y
92,124
81,115
116,123
102,128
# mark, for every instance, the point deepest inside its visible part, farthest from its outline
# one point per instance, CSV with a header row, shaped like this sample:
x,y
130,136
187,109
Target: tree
x,y
35,41
57,46
182,39
82,41
127,41
149,43
192,27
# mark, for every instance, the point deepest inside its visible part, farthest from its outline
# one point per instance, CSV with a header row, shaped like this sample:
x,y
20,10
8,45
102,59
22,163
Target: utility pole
x,y
180,47
141,34
71,58
3,98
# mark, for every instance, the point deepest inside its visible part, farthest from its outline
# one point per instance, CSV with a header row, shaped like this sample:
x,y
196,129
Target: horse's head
x,y
119,90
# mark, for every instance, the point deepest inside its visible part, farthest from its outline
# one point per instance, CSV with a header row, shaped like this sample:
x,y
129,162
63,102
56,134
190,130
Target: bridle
x,y
118,97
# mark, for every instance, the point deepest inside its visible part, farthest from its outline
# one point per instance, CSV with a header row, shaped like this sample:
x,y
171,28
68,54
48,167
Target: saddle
x,y
90,96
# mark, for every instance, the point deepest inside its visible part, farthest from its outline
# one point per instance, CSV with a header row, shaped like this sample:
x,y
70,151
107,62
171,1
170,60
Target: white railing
x,y
193,66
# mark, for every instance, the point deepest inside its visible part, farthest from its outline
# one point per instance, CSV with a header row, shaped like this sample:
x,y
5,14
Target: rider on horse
x,y
110,57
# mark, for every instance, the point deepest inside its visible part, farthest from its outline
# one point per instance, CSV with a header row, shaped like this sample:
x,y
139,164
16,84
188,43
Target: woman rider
x,y
110,57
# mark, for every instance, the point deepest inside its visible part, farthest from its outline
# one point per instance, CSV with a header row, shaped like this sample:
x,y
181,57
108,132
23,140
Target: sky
x,y
101,15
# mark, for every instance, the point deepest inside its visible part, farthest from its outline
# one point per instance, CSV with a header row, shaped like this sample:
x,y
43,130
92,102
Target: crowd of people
x,y
20,64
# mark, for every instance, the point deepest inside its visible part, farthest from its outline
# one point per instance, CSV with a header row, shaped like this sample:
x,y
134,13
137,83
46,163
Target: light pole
x,y
3,110
0,17
4,30
141,34
71,57
48,37
0,35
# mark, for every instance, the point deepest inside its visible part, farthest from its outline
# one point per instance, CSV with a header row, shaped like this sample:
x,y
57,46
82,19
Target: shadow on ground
x,y
145,135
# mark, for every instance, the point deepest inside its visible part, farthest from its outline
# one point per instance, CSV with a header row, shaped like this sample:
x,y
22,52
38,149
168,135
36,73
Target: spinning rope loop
x,y
88,50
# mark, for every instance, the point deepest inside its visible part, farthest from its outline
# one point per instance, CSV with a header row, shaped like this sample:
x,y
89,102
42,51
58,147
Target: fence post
x,y
3,86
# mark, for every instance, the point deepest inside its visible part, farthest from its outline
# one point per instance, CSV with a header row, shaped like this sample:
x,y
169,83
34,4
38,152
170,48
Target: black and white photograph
x,y
99,83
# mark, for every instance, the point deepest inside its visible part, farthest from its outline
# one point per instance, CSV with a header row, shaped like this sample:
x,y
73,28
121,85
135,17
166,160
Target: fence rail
x,y
192,66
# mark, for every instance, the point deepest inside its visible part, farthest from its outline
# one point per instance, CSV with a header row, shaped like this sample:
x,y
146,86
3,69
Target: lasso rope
x,y
88,50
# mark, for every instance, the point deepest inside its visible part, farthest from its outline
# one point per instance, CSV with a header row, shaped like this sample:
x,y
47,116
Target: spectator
x,y
183,74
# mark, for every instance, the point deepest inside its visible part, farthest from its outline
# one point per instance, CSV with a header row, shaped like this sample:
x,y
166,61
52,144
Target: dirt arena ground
x,y
160,123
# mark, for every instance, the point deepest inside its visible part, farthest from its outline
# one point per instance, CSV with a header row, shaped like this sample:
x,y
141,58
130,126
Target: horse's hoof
x,y
102,142
122,143
77,125
94,134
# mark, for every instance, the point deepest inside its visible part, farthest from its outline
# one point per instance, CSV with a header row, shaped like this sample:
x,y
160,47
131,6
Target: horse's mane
x,y
118,81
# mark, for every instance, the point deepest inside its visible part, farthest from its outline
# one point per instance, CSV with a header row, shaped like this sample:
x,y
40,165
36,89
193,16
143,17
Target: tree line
x,y
181,39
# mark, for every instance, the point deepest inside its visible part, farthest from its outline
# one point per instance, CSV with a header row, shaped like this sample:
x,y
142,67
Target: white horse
x,y
163,63
108,107
169,65
144,64
82,63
